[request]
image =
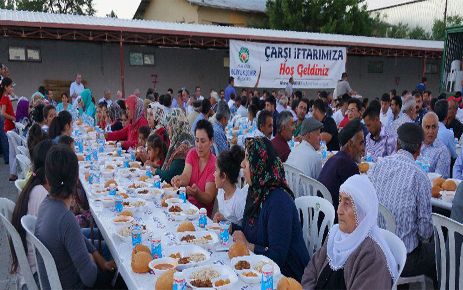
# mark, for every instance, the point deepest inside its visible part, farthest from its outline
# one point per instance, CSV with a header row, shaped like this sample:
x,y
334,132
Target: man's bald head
x,y
430,124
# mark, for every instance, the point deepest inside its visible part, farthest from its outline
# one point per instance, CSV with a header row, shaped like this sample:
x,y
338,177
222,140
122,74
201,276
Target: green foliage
x,y
80,7
438,28
112,14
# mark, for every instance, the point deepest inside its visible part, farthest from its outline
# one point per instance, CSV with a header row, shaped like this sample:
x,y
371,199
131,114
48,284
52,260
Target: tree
x,y
418,33
7,4
438,28
80,7
112,14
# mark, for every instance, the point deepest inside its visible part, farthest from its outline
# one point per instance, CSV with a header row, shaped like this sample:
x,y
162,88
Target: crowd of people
x,y
207,143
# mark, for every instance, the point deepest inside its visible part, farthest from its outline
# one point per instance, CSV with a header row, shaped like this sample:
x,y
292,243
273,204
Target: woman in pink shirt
x,y
198,174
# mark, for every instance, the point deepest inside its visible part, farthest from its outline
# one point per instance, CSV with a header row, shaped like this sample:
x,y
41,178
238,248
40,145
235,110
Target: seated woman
x,y
271,225
61,125
29,200
64,105
77,260
355,255
114,117
156,121
231,198
198,174
129,134
87,105
181,143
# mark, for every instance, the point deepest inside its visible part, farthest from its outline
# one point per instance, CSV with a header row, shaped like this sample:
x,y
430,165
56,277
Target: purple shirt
x,y
382,147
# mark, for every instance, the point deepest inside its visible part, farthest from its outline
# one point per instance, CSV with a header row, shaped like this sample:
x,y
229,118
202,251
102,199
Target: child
x,y
230,197
101,115
156,151
143,133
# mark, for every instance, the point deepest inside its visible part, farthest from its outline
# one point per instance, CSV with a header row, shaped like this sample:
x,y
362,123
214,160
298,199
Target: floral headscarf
x,y
135,105
181,139
114,112
267,173
159,115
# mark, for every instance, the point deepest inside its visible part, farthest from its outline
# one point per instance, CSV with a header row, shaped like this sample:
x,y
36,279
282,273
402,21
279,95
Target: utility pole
x,y
445,13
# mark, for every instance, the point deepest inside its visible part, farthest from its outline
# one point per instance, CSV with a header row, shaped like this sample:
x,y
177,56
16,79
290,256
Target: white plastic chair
x,y
14,140
293,178
28,223
24,151
398,249
310,207
451,76
447,274
20,127
7,207
24,163
388,218
17,183
312,187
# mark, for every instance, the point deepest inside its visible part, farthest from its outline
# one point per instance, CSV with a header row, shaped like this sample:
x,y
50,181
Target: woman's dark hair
x,y
66,140
37,178
5,82
229,163
61,170
59,123
145,131
253,110
154,141
43,90
47,109
37,113
35,136
65,94
206,126
167,101
121,104
102,105
161,99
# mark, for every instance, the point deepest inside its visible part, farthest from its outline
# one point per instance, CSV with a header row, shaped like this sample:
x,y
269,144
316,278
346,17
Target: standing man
x,y
198,93
285,126
77,87
386,116
329,133
343,87
106,98
421,87
289,88
230,89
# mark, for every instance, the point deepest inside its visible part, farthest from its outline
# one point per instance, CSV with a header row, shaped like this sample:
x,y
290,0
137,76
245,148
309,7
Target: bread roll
x,y
363,167
134,164
109,182
438,181
436,191
141,248
80,157
287,283
164,198
140,261
166,280
449,185
186,227
237,250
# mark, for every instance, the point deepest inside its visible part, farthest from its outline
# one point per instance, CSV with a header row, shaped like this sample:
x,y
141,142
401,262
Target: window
x,y
141,59
431,68
375,67
18,53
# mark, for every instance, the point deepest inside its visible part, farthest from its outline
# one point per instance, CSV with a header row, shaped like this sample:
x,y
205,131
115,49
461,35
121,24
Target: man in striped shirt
x,y
405,190
377,143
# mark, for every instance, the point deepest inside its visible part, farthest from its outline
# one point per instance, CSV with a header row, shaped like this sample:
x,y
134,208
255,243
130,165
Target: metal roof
x,y
42,20
256,6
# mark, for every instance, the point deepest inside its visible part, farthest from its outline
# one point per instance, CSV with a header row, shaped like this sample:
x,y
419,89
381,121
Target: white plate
x,y
149,193
137,185
215,227
123,238
128,222
447,195
132,206
254,261
225,272
433,175
164,260
208,244
186,251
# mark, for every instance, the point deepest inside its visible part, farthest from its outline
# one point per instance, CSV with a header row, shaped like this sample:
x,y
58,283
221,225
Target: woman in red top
x,y
129,134
6,89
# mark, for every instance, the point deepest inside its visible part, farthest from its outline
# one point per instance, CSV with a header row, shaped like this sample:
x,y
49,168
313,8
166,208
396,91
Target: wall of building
x,y
209,15
176,68
172,11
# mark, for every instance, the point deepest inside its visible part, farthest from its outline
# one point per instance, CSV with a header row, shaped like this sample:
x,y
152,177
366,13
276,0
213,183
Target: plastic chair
x,y
312,187
17,183
388,218
8,206
28,223
24,163
24,151
310,207
398,250
447,275
20,127
293,177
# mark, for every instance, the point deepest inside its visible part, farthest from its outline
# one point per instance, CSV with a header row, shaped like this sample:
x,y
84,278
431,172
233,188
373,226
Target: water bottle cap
x,y
202,210
178,276
182,188
267,268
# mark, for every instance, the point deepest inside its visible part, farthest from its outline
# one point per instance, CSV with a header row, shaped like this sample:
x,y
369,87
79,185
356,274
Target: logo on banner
x,y
244,54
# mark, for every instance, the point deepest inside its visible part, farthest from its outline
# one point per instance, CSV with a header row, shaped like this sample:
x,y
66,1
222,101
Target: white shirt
x,y
386,119
233,208
338,116
280,107
242,111
231,103
76,88
306,159
108,102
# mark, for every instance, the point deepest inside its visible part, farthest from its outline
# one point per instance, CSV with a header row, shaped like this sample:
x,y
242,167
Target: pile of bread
x,y
439,184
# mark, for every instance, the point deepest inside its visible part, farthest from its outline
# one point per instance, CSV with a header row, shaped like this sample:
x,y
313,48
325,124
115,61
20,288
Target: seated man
x,y
285,125
264,129
343,165
377,142
405,190
441,108
433,149
304,156
301,111
330,131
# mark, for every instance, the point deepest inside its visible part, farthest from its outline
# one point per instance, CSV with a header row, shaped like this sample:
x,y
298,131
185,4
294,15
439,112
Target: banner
x,y
269,65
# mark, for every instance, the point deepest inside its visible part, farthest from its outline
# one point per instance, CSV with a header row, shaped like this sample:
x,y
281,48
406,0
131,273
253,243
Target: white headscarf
x,y
341,245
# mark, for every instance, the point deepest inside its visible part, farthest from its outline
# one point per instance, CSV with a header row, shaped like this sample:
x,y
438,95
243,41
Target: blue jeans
x,y
4,142
96,237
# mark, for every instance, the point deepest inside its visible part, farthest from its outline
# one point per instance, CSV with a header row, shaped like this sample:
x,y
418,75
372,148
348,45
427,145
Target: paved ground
x,y
7,188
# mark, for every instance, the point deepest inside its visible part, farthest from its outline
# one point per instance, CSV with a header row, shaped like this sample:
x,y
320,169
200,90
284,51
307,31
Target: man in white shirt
x,y
305,156
76,87
242,111
289,88
340,114
386,116
106,98
343,87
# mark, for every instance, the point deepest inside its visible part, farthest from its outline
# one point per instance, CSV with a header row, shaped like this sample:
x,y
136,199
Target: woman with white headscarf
x,y
355,255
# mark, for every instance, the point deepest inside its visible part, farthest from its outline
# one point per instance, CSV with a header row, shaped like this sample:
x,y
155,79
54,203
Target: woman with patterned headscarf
x,y
156,116
129,134
114,115
181,142
271,225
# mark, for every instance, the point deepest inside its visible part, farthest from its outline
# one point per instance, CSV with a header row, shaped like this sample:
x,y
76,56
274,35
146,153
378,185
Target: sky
x,y
122,8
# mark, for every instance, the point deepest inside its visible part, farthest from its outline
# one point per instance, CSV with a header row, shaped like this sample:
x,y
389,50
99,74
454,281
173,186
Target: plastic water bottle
x,y
224,232
267,277
101,146
323,150
202,218
95,154
156,247
112,189
157,181
291,143
119,149
136,235
179,281
118,205
80,145
182,194
132,154
148,171
126,163
368,157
